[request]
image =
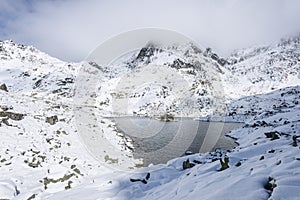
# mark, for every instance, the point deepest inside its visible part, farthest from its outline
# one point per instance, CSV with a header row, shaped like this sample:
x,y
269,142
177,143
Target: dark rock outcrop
x,y
3,87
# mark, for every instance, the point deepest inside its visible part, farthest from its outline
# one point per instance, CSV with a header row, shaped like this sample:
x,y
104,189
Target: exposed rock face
x,y
146,52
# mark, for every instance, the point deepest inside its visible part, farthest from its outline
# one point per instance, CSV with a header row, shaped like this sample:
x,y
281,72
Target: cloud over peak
x,y
70,29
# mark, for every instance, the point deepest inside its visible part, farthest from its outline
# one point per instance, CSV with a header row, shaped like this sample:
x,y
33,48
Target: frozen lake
x,y
158,141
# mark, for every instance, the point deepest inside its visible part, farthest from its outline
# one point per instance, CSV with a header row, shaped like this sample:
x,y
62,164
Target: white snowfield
x,y
42,155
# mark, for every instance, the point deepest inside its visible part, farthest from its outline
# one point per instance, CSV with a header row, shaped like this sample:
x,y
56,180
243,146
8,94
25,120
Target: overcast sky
x,y
70,29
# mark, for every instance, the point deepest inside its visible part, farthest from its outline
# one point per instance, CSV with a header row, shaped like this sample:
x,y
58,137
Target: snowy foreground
x,y
43,157
263,166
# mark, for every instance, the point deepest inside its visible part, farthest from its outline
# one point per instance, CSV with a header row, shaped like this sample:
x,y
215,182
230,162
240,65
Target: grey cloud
x,y
70,29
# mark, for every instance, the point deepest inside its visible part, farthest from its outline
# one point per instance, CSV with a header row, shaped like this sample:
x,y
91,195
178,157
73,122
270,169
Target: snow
x,y
44,161
205,181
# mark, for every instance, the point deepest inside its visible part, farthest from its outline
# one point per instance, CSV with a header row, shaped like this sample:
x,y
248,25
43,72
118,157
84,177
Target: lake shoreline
x,y
151,137
225,119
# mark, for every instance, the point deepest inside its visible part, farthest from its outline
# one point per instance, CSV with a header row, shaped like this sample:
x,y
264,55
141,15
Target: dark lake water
x,y
158,141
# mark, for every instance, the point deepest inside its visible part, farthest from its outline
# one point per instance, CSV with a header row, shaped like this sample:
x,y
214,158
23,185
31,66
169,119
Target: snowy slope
x,y
259,70
265,165
40,148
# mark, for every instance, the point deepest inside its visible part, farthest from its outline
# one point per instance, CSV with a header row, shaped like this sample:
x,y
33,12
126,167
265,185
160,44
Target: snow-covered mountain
x,y
181,81
263,69
207,81
41,152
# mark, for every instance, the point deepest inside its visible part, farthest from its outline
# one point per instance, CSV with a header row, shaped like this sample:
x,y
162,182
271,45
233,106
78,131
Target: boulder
x,y
3,87
186,164
52,120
